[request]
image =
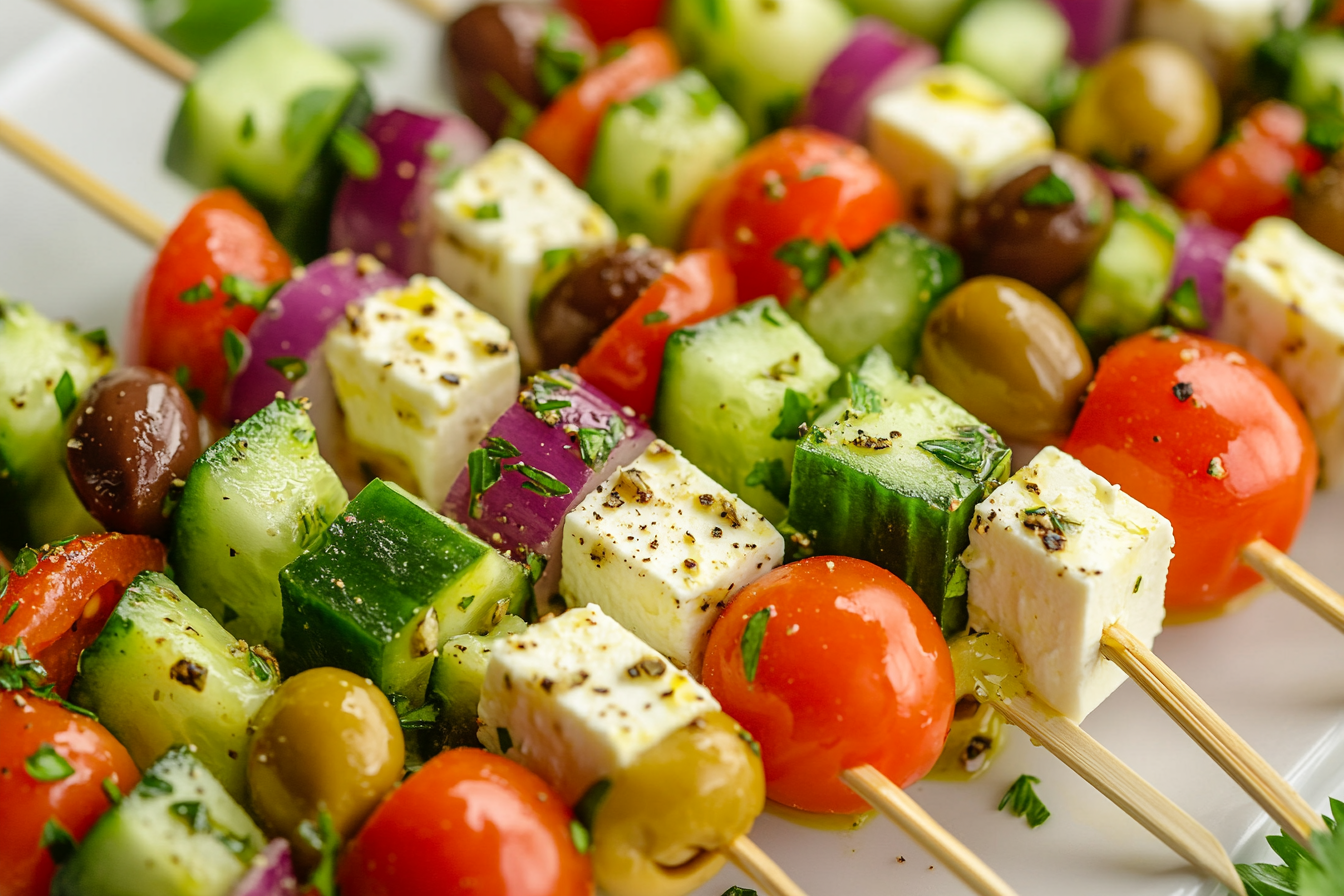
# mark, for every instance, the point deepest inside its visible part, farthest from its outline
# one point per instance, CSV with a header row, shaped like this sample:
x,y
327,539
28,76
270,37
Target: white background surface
x,y
1273,671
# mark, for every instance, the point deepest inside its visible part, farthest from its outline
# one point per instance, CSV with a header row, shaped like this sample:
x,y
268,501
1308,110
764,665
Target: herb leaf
x,y
583,840
738,891
18,668
792,416
47,765
490,211
1325,131
505,740
65,394
357,152
112,791
1184,308
586,809
1022,801
556,67
977,450
1317,871
770,475
242,291
1051,192
292,369
306,114
57,841
521,113
234,350
199,293
862,396
484,470
655,317
540,482
811,259
323,838
753,639
596,445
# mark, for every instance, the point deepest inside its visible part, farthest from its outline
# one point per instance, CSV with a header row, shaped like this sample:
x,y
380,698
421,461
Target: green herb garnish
x,y
306,114
65,394
234,350
1050,192
812,260
198,293
596,445
505,740
660,182
1021,800
753,639
655,317
1184,308
540,482
290,368
557,67
484,470
323,838
357,152
112,791
490,211
47,765
793,416
770,475
977,450
57,841
648,103
862,397
1317,870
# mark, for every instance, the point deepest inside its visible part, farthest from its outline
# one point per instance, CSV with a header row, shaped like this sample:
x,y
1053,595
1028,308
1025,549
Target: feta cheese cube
x,y
1284,303
420,375
497,221
577,697
1221,34
662,548
1057,555
947,135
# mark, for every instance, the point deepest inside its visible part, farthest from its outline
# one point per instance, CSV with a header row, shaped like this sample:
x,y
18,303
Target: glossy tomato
x,y
608,20
852,669
1211,439
60,604
627,359
780,212
37,787
191,314
469,822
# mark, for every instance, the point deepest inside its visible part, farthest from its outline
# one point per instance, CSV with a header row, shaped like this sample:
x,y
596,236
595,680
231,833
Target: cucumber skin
x,y
1126,283
122,858
455,684
227,554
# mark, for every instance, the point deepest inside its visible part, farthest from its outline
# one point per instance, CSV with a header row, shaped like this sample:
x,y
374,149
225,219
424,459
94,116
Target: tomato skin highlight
x,y
27,722
853,670
608,20
1233,462
468,822
798,183
626,362
220,234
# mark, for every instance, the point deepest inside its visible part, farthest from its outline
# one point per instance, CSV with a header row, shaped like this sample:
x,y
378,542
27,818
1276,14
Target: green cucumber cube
x,y
387,585
735,393
459,672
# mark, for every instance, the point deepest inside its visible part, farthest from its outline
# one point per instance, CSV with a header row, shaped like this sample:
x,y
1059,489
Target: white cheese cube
x,y
1057,555
1221,34
1284,303
581,697
497,221
947,135
420,375
663,548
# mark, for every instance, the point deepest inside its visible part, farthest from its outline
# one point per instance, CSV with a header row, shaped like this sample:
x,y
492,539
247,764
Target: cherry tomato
x,y
61,604
566,131
853,669
33,727
626,361
468,822
609,21
182,316
1255,174
801,185
1211,439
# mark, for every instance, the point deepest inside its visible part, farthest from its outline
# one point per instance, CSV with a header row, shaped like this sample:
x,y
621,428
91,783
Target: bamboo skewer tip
x,y
1295,581
761,868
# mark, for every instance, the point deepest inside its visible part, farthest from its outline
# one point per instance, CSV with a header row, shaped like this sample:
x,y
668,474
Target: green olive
x,y
1149,106
662,825
1009,355
327,739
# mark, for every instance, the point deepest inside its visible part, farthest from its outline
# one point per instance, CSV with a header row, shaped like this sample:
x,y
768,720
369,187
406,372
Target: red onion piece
x,y
1098,26
1202,251
1124,185
389,216
295,322
878,57
270,874
519,521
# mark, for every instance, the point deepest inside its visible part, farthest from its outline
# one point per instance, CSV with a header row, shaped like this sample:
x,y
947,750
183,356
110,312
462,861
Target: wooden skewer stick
x,y
1293,580
761,868
897,805
141,43
431,10
1247,767
1123,786
66,173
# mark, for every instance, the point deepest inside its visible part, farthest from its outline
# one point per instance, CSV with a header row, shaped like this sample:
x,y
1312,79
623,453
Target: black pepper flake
x,y
716,532
1183,391
706,500
184,671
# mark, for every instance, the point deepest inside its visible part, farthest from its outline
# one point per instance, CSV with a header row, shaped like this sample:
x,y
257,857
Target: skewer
x,y
146,46
430,10
761,868
1293,580
1123,786
65,172
1247,767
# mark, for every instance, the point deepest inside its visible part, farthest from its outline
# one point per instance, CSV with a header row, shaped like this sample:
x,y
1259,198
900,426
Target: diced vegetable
x,y
1020,44
455,684
271,873
1202,251
1097,26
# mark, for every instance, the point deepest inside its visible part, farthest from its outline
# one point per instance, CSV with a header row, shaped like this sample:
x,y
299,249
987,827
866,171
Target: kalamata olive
x,y
1009,355
661,827
1318,207
601,285
327,739
1149,106
1041,227
134,432
504,61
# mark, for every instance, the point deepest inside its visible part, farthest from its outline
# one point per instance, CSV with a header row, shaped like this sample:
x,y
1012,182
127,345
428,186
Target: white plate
x,y
1273,670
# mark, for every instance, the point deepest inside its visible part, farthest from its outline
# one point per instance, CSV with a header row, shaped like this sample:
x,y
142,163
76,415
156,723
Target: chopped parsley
x,y
553,258
290,368
583,840
57,841
770,475
323,838
862,397
655,317
648,103
490,211
812,260
596,445
198,293
1325,131
112,791
519,112
234,350
586,809
1051,192
1315,871
660,182
307,114
484,469
536,565
738,891
505,739
557,67
98,337
1184,308
13,608
357,152
541,482
239,290
753,639
1021,800
183,377
793,416
977,450
65,394
46,765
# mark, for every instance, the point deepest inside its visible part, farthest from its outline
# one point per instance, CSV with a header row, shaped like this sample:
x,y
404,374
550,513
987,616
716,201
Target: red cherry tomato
x,y
74,801
608,20
566,131
799,184
468,822
177,324
63,601
1254,175
627,359
1211,439
853,669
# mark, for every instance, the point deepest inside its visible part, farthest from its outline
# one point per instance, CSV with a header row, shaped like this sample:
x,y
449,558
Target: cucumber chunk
x,y
656,156
734,393
199,27
763,57
177,833
36,397
253,501
455,685
1316,82
164,672
1022,45
387,585
895,481
929,19
883,299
